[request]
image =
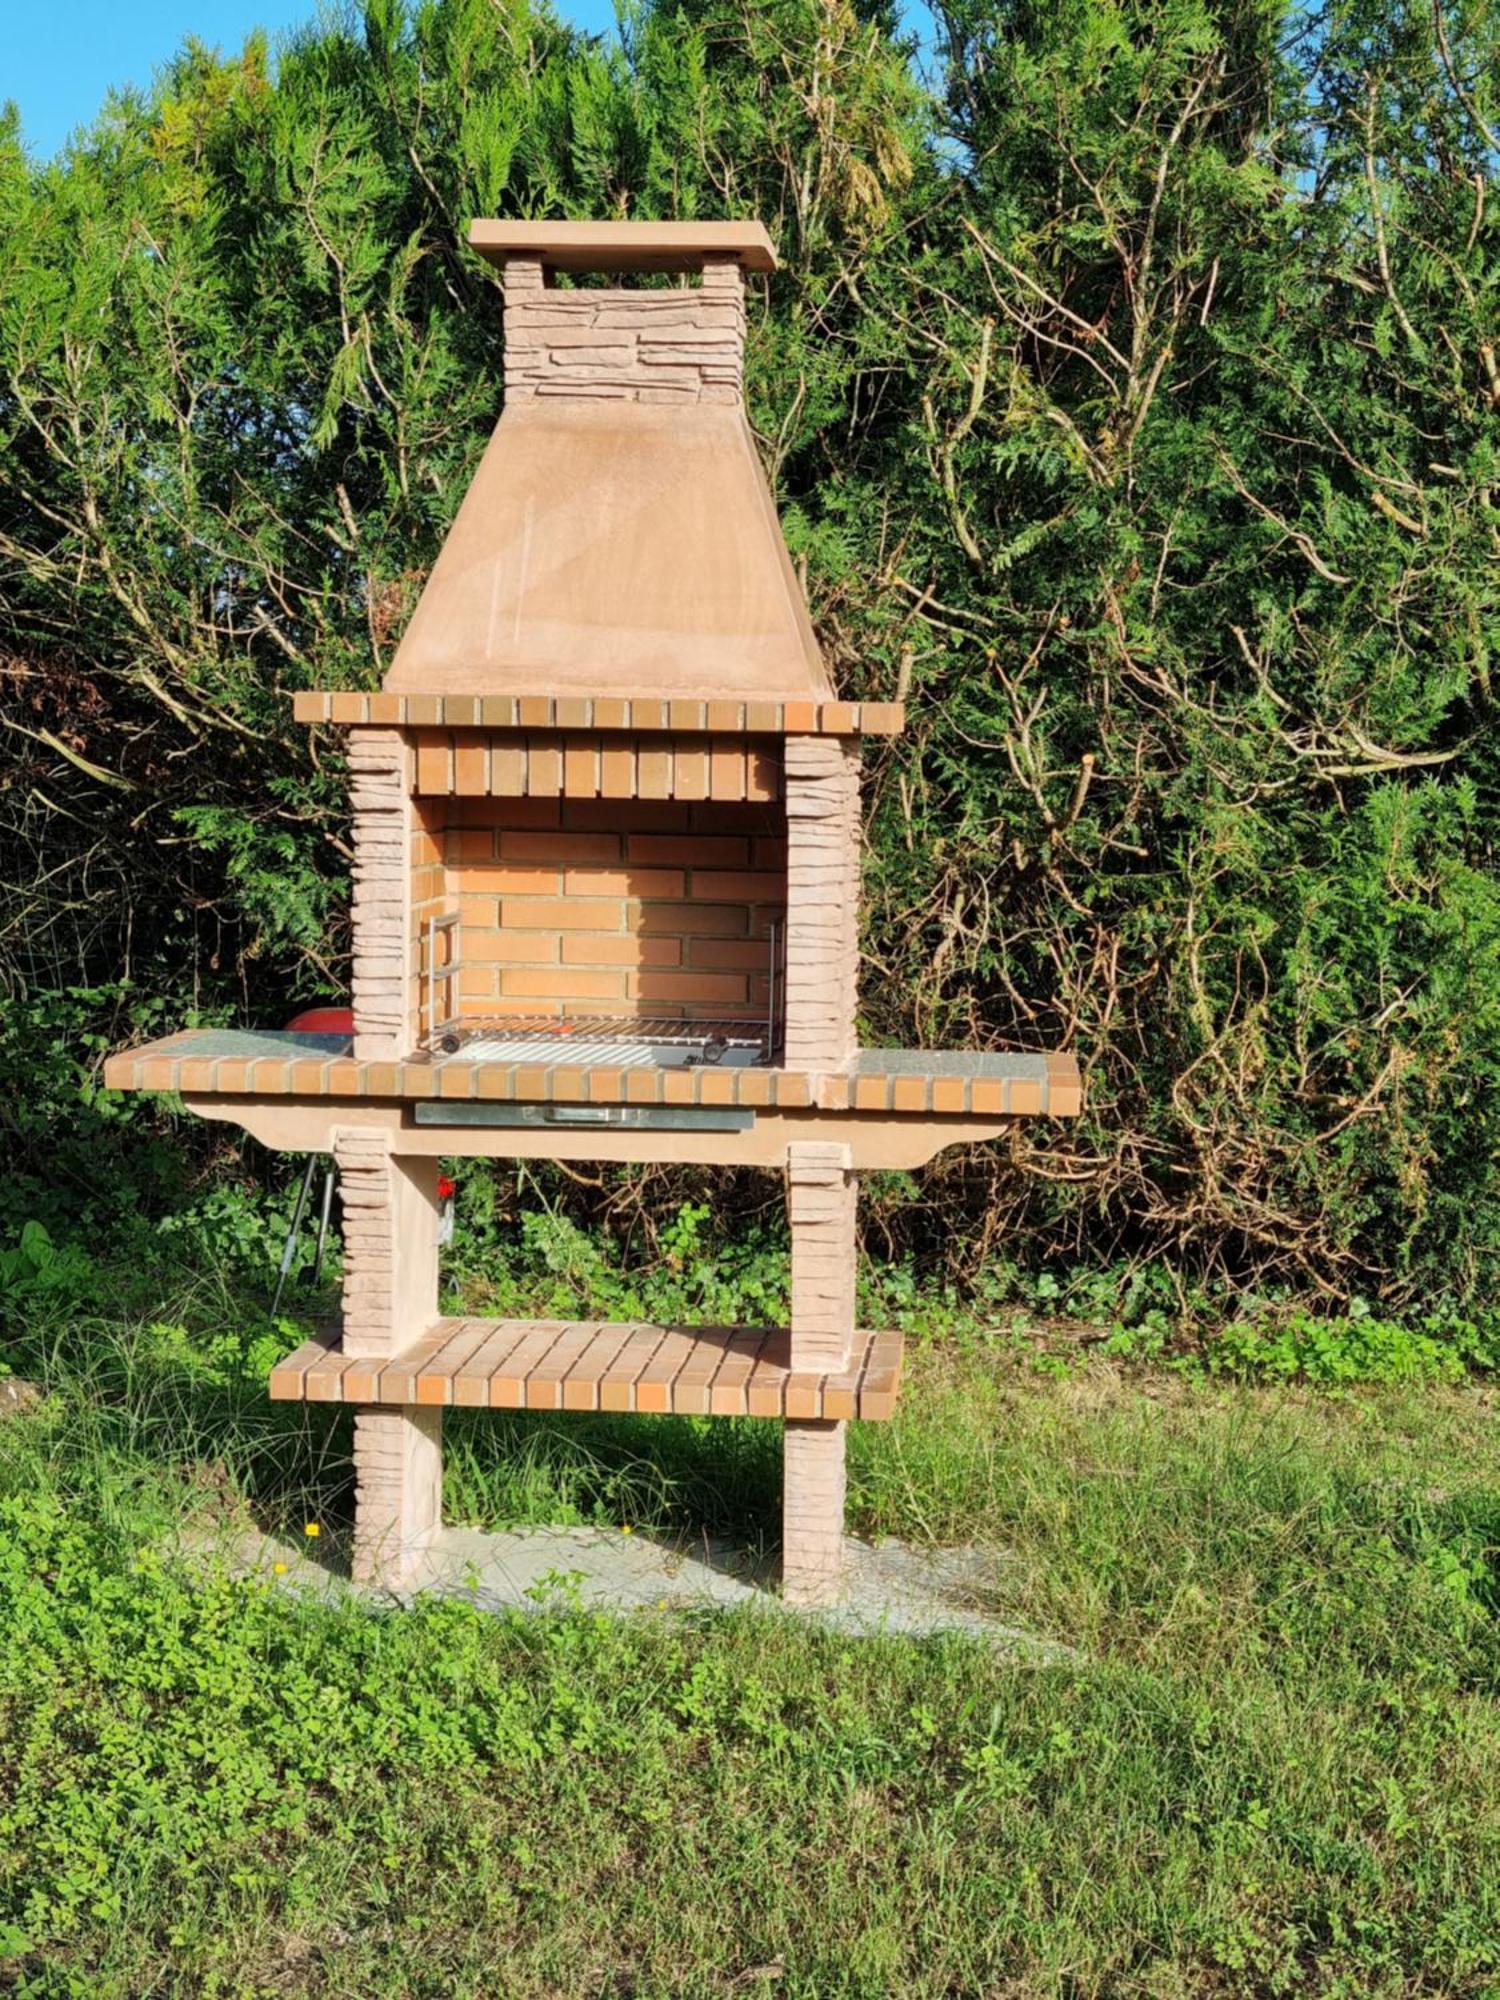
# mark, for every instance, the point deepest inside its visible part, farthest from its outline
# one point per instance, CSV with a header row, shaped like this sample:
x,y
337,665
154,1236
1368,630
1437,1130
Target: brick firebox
x,y
577,906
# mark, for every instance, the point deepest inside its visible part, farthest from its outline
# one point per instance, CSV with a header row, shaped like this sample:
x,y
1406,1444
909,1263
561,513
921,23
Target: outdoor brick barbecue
x,y
606,877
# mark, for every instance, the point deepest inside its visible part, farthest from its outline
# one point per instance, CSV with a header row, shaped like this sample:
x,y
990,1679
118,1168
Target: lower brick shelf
x,y
519,1364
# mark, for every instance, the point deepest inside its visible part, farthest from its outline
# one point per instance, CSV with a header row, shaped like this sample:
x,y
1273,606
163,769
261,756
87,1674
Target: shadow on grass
x,y
678,1476
141,1419
144,1414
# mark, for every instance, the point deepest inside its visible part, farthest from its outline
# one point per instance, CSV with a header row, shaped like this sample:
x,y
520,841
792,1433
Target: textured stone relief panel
x,y
684,344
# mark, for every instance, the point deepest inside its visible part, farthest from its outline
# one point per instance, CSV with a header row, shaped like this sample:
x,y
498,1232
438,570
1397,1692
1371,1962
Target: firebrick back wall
x,y
584,906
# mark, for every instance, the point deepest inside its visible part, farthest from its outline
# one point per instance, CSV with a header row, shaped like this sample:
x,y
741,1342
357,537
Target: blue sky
x,y
58,58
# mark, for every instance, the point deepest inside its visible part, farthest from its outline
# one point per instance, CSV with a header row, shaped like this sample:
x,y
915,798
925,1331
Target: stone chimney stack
x,y
618,539
678,345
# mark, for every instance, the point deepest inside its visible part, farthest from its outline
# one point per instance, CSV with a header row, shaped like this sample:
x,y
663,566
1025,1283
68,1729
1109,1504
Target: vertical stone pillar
x,y
822,901
390,1299
380,799
723,298
398,1492
821,1208
525,291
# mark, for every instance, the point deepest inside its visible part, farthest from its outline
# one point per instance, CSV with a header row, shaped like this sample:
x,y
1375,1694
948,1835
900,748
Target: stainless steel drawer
x,y
586,1117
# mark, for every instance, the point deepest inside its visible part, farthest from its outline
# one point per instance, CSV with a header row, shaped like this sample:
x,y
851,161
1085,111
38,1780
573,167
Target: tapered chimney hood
x,y
619,537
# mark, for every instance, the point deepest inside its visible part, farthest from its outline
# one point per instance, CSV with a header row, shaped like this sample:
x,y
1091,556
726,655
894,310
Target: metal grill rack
x,y
623,1041
626,1041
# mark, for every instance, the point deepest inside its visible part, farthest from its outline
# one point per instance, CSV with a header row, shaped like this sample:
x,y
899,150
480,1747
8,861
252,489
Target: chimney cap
x,y
623,246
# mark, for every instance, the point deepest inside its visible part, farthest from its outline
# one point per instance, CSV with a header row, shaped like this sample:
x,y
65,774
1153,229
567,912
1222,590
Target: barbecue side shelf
x,y
623,1366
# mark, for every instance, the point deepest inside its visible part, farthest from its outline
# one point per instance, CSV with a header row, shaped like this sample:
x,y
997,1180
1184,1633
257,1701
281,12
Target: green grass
x,y
1271,1765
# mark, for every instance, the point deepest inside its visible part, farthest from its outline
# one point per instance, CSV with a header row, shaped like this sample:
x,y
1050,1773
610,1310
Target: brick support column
x,y
398,1492
381,911
821,1207
390,1299
822,901
812,1527
821,1198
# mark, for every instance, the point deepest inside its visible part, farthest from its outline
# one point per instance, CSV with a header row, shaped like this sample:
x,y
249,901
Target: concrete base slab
x,y
887,1587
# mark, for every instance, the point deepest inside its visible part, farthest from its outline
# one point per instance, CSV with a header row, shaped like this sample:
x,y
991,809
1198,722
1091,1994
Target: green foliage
x,y
1131,399
1205,618
1359,1348
86,1159
1329,1351
1256,1752
550,1267
270,876
37,1270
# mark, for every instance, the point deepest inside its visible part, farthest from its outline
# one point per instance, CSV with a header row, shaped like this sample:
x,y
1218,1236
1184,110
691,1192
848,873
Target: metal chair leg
x,y
288,1249
317,1270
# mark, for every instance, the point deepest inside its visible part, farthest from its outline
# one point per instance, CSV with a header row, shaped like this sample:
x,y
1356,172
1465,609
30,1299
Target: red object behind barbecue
x,y
323,1021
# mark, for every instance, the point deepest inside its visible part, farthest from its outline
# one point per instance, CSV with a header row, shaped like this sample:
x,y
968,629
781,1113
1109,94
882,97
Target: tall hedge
x,y
1132,398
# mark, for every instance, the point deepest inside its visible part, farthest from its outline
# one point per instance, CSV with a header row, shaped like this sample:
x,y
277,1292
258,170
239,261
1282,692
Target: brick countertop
x,y
602,712
915,1082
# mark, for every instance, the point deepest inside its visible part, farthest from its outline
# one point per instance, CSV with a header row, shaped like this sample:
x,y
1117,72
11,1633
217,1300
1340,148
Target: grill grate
x,y
615,1041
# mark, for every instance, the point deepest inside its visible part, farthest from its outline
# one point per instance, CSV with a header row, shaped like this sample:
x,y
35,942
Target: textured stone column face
x,y
821,1201
822,901
390,1298
812,1534
684,344
381,911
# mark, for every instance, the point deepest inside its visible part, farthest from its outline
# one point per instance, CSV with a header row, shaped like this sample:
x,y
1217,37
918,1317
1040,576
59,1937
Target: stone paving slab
x,y
891,1589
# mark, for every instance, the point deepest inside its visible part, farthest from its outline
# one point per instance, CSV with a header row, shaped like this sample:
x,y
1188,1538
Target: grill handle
x,y
447,973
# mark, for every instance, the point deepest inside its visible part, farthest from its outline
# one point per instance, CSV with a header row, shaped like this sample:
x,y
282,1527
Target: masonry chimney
x,y
619,538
